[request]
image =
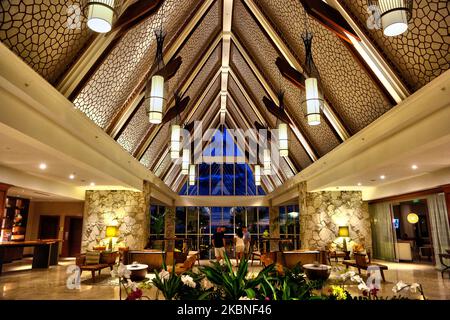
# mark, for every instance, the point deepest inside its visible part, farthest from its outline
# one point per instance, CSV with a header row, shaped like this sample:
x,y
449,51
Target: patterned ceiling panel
x,y
422,53
197,44
321,136
46,34
242,103
136,128
166,162
351,91
160,141
127,64
299,153
208,100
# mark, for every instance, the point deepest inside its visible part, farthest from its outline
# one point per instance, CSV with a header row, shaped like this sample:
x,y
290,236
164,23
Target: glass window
x,y
216,180
204,179
240,184
227,220
192,220
216,218
228,179
180,220
252,220
263,215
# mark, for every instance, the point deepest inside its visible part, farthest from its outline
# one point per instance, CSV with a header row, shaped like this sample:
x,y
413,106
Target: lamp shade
x,y
395,15
112,231
192,175
100,15
257,175
175,142
412,218
185,161
343,231
267,162
156,99
312,102
283,139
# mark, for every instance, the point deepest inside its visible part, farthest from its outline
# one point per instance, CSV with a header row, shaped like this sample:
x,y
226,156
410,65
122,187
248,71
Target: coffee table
x,y
138,271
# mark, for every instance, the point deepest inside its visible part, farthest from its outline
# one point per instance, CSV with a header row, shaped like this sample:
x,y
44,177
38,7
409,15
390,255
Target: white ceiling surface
x,y
36,195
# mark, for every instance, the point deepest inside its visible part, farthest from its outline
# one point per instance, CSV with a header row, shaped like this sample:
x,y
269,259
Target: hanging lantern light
x,y
283,139
257,175
192,175
175,142
185,161
394,14
412,218
267,162
314,101
157,99
100,15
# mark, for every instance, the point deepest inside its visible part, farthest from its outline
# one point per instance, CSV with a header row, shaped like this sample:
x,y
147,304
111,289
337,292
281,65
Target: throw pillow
x,y
92,257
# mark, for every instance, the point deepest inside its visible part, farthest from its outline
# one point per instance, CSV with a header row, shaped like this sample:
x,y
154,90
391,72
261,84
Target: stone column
x,y
169,233
274,227
146,190
302,208
128,210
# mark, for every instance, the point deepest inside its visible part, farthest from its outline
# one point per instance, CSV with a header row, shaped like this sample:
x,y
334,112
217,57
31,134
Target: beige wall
x,y
61,209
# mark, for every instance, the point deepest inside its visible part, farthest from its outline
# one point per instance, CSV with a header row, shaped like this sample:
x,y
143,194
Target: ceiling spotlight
x,y
414,167
92,184
42,166
382,177
71,176
359,184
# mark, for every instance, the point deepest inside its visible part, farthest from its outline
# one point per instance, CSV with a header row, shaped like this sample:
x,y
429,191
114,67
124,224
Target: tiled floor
x,y
18,281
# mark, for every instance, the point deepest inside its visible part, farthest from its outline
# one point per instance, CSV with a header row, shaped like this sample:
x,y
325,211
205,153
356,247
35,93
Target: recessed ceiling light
x,y
414,167
359,184
42,166
92,184
71,176
382,177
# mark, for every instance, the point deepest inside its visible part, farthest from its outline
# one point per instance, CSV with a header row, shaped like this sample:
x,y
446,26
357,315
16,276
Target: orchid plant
x,y
132,290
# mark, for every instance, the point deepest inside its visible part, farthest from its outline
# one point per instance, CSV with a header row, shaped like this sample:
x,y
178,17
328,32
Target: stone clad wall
x,y
129,210
323,212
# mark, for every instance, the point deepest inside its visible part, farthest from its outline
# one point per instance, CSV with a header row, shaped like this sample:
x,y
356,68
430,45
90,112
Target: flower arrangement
x,y
133,292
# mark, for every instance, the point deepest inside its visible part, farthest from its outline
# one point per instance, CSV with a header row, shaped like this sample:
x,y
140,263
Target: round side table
x,y
138,271
317,271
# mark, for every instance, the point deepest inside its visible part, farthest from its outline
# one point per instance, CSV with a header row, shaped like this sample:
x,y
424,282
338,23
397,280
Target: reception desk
x,y
45,251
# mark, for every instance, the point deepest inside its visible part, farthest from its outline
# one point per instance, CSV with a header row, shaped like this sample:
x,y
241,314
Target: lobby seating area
x,y
225,150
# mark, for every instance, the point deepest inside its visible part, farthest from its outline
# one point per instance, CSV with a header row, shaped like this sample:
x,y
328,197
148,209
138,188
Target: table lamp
x,y
111,232
344,233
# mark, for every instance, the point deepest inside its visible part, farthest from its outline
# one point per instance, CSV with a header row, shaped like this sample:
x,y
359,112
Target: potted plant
x,y
156,240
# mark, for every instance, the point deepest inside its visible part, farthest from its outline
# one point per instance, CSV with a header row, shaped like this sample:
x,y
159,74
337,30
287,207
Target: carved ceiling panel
x,y
129,62
48,34
136,128
207,101
420,54
354,95
159,142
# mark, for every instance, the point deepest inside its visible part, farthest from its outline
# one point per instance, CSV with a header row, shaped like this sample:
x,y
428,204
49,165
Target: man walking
x,y
247,240
218,242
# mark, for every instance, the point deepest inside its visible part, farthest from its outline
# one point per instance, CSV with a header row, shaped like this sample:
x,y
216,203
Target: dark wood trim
x,y
48,215
330,18
136,13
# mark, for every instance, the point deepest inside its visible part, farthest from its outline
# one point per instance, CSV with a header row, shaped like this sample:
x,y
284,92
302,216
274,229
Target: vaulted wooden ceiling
x,y
104,75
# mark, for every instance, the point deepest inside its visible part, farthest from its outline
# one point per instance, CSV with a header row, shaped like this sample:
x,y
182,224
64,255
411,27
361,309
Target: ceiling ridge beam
x,y
227,16
385,73
281,46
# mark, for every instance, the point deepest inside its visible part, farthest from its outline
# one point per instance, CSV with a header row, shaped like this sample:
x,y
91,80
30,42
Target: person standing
x,y
219,244
247,240
240,246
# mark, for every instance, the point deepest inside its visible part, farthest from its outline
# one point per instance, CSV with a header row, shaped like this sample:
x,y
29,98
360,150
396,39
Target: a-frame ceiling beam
x,y
294,125
192,75
227,16
286,53
393,84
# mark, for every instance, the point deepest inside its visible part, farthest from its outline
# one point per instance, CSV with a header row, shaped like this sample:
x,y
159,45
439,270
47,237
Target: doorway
x,y
48,227
72,236
412,227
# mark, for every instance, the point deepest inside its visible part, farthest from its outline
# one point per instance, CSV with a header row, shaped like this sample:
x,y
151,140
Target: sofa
x,y
106,260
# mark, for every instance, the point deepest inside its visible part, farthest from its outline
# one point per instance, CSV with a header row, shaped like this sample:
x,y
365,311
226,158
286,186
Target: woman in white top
x,y
240,246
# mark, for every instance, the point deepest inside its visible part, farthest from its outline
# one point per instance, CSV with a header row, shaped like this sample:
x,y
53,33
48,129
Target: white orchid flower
x,y
399,286
188,280
164,275
356,278
132,285
413,287
120,271
246,298
363,287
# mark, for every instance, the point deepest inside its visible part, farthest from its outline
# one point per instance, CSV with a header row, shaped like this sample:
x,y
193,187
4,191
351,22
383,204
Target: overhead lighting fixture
x,y
394,14
92,184
100,15
42,166
185,161
382,177
414,167
192,175
257,175
267,162
283,139
71,176
359,184
175,142
293,214
157,99
314,101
